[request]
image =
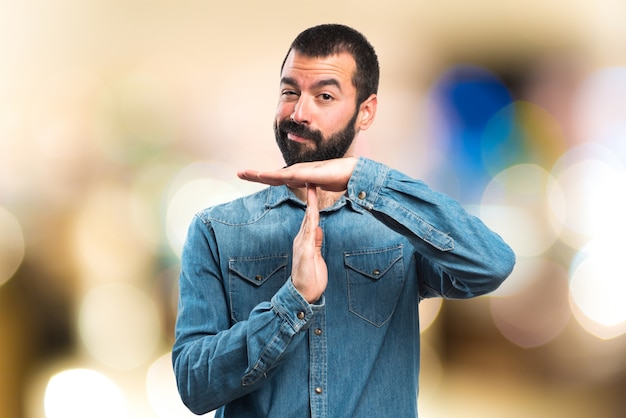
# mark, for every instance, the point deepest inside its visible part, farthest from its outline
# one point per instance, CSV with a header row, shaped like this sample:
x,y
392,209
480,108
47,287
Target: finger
x,y
319,239
311,197
311,201
250,175
288,176
259,177
311,215
294,176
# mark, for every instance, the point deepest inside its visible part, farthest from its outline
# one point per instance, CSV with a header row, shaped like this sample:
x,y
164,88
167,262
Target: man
x,y
302,300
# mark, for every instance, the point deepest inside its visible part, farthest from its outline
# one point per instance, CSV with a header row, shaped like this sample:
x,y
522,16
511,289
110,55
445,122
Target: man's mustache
x,y
289,126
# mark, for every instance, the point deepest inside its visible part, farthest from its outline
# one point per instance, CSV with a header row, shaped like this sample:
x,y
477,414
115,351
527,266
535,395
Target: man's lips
x,y
296,138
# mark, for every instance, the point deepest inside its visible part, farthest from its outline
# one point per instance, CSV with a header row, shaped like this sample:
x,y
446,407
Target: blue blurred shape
x,y
467,98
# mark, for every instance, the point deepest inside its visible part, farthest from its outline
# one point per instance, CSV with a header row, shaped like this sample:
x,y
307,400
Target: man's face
x,y
316,118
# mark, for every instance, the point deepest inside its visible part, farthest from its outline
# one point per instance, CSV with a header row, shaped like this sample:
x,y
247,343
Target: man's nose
x,y
301,111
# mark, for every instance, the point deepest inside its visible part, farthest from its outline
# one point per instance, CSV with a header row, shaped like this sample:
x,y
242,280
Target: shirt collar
x,y
277,195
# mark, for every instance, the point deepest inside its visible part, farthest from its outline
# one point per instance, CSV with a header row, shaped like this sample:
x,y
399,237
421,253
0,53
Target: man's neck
x,y
324,198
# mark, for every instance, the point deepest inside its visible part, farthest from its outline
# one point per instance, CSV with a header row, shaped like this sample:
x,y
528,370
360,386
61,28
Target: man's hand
x,y
330,175
309,273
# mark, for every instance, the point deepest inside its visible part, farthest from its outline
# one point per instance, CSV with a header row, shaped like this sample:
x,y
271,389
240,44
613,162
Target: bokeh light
x,y
80,393
515,202
12,245
119,325
598,288
429,310
590,201
198,186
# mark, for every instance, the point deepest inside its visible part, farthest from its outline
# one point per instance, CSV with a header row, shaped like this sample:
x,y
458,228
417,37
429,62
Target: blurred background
x,y
120,119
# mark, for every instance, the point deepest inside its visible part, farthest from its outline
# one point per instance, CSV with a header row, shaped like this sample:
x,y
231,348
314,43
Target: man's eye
x,y
326,97
289,95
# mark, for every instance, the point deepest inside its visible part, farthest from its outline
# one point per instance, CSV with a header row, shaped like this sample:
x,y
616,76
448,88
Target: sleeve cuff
x,y
290,305
366,181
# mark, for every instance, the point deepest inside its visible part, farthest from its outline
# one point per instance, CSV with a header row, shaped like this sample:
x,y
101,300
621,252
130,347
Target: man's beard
x,y
293,152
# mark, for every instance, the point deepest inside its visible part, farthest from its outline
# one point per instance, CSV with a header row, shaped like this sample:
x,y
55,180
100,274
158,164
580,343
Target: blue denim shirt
x,y
249,344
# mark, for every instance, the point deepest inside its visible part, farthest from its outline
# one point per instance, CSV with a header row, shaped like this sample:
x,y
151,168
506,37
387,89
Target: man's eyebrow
x,y
327,82
321,83
288,80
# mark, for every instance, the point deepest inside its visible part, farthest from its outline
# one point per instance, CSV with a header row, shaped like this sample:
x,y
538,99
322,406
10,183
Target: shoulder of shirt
x,y
246,209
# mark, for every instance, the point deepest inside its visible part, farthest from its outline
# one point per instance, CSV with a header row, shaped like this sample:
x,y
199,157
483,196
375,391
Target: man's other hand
x,y
330,175
309,273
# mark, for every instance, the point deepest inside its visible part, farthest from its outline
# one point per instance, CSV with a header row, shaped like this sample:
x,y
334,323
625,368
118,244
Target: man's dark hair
x,y
330,39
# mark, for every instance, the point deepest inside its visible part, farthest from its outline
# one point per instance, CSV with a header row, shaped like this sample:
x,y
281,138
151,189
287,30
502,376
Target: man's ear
x,y
367,112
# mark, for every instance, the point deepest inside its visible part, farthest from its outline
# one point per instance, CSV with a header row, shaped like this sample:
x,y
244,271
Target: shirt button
x,y
258,277
318,331
300,315
376,272
318,390
362,195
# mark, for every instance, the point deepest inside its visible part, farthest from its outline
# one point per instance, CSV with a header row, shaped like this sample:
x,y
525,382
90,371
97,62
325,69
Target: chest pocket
x,y
253,280
375,281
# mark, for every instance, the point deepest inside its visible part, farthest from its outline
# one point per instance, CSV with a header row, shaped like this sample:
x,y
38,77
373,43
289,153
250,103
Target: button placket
x,y
318,365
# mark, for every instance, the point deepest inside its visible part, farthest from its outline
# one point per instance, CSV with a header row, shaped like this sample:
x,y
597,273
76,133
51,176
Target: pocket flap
x,y
373,263
257,270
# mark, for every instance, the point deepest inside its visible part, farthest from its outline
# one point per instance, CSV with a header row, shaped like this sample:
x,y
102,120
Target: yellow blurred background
x,y
120,119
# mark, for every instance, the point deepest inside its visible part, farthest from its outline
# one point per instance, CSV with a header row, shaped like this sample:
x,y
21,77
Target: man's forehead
x,y
338,66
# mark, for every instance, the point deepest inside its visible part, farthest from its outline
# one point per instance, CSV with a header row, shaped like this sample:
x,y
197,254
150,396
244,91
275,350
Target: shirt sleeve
x,y
213,361
456,254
